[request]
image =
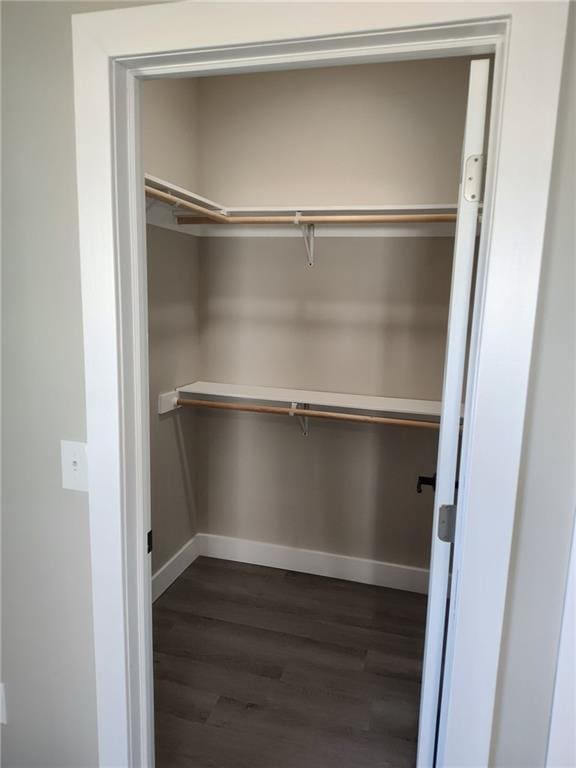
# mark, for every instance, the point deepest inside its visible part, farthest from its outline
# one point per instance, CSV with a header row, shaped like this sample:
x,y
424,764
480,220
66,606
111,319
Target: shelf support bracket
x,y
176,210
167,402
304,425
308,235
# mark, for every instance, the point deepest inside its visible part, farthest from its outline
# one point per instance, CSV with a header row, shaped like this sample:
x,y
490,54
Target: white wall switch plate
x,y
74,466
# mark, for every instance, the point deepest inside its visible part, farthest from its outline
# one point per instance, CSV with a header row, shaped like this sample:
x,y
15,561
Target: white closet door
x,y
452,393
561,751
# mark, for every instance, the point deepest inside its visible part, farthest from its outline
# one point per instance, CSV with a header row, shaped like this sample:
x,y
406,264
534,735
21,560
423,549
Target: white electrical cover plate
x,y
74,466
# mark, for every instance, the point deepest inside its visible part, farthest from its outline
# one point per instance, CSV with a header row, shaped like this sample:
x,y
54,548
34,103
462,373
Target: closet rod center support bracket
x,y
308,235
304,420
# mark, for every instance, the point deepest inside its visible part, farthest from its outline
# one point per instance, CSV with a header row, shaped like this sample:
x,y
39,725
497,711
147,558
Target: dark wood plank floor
x,y
263,668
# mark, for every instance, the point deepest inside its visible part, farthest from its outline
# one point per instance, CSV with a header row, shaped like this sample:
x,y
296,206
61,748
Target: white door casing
x,y
219,37
561,748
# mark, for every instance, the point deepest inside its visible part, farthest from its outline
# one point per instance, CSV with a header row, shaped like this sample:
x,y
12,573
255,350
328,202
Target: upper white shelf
x,y
176,208
429,409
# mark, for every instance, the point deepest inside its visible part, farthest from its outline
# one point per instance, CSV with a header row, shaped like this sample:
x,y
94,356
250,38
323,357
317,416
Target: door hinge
x,y
447,523
473,176
149,541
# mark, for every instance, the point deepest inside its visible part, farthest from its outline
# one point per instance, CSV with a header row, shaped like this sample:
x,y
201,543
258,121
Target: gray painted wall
x,y
547,499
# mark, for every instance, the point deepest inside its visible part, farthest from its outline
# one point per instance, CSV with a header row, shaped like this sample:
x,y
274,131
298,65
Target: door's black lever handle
x,y
424,480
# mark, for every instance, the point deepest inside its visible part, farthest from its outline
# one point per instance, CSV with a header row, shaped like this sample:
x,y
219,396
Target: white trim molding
x,y
175,566
561,750
3,711
114,48
393,575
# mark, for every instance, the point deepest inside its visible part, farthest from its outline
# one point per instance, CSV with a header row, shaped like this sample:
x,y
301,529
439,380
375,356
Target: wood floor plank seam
x,y
261,685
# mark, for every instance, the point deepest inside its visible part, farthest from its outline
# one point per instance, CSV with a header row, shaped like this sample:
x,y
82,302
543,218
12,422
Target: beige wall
x,y
341,135
366,134
169,111
174,344
547,500
344,489
47,635
370,317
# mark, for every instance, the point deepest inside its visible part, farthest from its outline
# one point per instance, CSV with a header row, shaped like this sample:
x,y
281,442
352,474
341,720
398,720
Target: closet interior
x,y
300,236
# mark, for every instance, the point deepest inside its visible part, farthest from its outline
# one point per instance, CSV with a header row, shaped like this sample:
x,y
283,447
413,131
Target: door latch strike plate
x,y
473,177
447,523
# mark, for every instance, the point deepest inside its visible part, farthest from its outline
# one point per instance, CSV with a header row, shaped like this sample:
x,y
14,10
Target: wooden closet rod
x,y
166,197
284,411
356,218
336,218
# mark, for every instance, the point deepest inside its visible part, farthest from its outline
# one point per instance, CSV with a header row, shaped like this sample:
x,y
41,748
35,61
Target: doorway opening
x,y
311,242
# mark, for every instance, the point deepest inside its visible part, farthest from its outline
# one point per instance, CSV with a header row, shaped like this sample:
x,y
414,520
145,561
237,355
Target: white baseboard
x,y
177,564
393,575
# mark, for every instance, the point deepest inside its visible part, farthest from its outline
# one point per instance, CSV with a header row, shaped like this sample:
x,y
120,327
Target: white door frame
x,y
112,49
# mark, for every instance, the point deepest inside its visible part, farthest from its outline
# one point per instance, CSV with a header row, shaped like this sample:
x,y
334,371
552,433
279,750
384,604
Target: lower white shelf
x,y
429,410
